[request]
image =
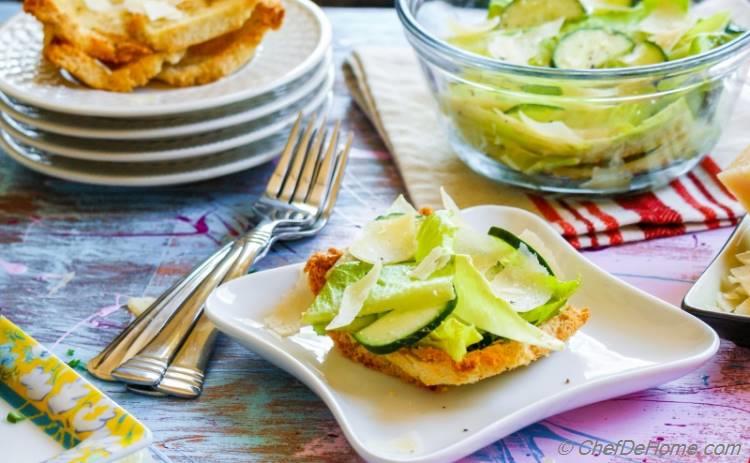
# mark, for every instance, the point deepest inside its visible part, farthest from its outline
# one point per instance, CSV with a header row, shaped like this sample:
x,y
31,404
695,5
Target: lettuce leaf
x,y
561,293
326,303
354,296
709,29
394,290
479,306
434,244
401,206
454,337
436,230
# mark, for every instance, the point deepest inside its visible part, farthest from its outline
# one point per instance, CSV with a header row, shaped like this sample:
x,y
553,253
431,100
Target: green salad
x,y
595,34
600,132
432,280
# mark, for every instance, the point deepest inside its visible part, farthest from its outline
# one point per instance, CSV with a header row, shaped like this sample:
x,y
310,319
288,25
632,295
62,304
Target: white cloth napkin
x,y
389,86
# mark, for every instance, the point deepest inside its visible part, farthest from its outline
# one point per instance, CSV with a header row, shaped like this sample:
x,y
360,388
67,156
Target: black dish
x,y
735,328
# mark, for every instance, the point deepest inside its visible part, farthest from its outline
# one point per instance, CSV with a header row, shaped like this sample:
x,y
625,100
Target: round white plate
x,y
284,56
168,149
143,174
173,126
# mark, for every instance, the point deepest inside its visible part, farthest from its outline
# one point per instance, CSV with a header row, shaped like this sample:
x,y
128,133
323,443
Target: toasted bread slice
x,y
115,34
219,57
204,20
96,74
102,35
435,369
431,367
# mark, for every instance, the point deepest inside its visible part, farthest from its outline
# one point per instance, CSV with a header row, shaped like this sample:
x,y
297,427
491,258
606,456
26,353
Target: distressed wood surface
x,y
71,254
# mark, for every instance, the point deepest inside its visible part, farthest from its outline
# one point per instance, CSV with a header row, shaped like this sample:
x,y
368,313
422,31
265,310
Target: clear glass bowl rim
x,y
412,26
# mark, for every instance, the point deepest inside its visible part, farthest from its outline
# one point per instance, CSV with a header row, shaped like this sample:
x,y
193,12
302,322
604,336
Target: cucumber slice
x,y
360,323
591,48
643,54
487,340
521,14
516,242
402,328
539,112
610,3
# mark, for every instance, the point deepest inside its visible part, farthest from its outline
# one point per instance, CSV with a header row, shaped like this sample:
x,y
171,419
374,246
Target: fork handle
x,y
185,375
149,366
146,326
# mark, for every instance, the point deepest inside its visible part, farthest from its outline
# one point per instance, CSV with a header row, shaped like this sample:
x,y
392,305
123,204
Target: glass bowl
x,y
626,129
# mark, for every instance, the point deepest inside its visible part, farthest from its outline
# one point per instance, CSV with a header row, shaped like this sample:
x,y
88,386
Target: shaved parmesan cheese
x,y
138,305
449,204
286,318
665,29
535,242
556,130
401,206
609,177
432,262
744,257
742,274
485,250
390,240
464,28
724,304
744,308
735,177
520,47
734,295
354,298
516,284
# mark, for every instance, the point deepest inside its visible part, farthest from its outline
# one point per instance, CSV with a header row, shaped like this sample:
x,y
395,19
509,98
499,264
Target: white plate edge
x,y
185,129
193,151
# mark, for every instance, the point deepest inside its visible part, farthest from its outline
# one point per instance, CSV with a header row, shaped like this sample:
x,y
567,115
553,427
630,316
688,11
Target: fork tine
x,y
312,164
326,170
300,156
279,174
338,177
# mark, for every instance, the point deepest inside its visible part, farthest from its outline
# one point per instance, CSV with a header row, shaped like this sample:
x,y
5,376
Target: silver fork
x,y
294,197
184,376
303,187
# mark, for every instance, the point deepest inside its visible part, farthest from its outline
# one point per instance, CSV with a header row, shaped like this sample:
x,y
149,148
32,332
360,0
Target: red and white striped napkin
x,y
695,202
388,85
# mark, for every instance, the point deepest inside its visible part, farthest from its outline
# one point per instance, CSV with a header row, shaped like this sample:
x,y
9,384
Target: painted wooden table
x,y
70,255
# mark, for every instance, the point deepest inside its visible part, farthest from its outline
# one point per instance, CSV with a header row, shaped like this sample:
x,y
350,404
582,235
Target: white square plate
x,y
632,341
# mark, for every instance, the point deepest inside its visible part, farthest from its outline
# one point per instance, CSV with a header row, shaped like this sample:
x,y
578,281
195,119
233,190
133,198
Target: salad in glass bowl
x,y
582,96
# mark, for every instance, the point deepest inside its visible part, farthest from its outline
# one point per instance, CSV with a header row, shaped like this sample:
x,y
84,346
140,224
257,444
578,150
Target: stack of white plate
x,y
160,135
